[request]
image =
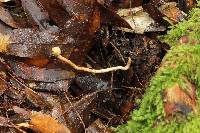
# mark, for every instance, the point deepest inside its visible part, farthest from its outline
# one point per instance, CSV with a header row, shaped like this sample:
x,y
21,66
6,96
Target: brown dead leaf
x,y
178,100
191,3
4,29
120,3
159,9
44,124
19,91
150,7
139,20
55,87
36,15
4,121
187,5
33,73
3,82
6,17
47,124
85,21
55,11
98,127
37,99
108,15
77,114
4,42
172,12
4,0
35,44
39,62
21,111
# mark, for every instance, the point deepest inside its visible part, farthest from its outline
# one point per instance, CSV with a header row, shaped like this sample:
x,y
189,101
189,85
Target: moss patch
x,y
180,61
188,28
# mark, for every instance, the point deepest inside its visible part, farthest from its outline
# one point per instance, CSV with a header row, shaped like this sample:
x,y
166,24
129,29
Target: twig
x,y
118,51
57,53
79,116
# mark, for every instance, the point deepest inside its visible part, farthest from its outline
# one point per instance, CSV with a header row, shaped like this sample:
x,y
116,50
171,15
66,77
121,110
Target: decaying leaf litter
x,y
41,93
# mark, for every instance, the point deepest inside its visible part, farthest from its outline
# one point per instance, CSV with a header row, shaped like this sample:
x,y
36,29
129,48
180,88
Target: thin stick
x,y
57,53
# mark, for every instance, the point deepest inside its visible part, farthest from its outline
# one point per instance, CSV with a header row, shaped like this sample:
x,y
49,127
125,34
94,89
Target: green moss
x,y
188,27
181,61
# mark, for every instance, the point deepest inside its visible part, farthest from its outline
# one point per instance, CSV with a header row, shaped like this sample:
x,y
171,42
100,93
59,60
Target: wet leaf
x,y
39,62
187,5
21,111
6,17
33,73
32,43
44,124
37,99
20,91
77,115
109,16
4,121
172,12
55,87
35,14
3,82
4,0
90,83
15,90
98,127
178,100
139,20
55,12
150,7
4,29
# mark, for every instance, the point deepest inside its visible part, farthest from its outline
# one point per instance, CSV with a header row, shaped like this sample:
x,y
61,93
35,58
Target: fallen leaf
x,y
55,11
4,42
98,127
54,87
3,82
4,29
139,20
6,17
77,114
4,121
37,99
172,12
178,100
90,83
33,73
44,124
4,0
36,15
187,5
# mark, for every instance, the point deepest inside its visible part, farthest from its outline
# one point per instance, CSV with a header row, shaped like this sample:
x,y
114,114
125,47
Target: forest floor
x,y
73,66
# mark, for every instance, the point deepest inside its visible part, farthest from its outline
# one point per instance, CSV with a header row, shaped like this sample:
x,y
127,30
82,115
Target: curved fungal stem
x,y
56,51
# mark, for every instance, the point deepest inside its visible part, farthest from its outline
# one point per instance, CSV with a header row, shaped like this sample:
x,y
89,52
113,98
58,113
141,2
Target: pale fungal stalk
x,y
56,51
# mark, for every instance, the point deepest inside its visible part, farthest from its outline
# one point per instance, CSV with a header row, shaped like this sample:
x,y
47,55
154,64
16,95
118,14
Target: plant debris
x,y
75,66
